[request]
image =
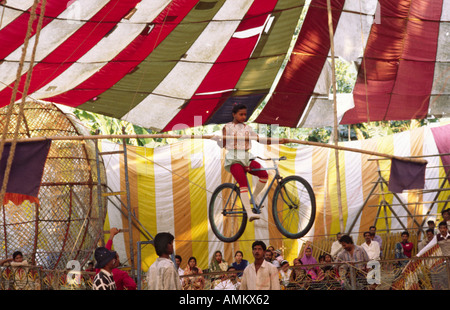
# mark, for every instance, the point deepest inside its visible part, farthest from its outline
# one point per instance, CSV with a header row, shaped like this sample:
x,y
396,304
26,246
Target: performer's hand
x,y
114,231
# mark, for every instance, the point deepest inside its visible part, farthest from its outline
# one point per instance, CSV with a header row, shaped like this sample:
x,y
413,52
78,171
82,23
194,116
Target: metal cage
x,y
68,222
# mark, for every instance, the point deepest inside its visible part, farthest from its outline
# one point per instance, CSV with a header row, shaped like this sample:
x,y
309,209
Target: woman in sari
x,y
193,283
312,271
217,264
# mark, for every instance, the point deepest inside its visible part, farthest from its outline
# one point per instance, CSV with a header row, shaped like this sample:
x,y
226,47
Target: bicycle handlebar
x,y
281,158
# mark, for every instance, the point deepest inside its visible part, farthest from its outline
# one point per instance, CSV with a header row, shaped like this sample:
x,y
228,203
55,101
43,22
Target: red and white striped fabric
x,y
160,64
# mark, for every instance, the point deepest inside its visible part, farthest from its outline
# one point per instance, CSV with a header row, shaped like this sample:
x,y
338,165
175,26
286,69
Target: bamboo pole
x,y
209,137
335,125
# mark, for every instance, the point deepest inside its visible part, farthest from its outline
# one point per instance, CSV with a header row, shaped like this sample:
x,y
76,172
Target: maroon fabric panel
x,y
27,167
442,138
396,75
300,76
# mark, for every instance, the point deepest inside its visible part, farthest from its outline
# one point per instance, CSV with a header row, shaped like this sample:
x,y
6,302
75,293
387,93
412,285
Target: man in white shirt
x,y
377,238
336,247
260,275
371,247
178,261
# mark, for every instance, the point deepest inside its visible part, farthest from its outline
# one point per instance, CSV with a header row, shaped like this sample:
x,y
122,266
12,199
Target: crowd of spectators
x,y
331,270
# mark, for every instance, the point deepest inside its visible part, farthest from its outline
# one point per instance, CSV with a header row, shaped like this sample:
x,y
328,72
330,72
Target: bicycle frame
x,y
277,178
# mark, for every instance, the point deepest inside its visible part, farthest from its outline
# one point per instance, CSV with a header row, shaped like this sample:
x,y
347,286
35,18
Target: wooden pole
x,y
335,127
208,137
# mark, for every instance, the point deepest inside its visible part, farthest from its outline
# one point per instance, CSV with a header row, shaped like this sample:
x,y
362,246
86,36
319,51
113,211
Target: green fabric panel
x,y
271,51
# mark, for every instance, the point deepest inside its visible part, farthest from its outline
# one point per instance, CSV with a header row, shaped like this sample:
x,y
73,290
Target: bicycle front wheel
x,y
294,207
226,214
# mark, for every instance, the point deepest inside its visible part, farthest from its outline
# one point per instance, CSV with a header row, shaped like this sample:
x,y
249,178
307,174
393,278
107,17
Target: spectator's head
x,y
259,243
405,236
105,258
430,233
443,229
446,214
163,243
347,242
17,257
268,255
192,262
368,236
258,250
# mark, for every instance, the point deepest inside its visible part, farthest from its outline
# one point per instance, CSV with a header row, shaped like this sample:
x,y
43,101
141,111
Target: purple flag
x,y
26,170
406,175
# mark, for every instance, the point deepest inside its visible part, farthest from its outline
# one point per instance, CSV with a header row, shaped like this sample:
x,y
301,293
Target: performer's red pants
x,y
238,171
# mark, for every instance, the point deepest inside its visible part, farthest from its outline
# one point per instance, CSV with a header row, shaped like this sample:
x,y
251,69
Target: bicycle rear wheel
x,y
294,207
226,214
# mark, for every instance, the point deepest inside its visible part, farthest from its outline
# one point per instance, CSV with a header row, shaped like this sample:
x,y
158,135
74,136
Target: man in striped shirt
x,y
358,258
106,261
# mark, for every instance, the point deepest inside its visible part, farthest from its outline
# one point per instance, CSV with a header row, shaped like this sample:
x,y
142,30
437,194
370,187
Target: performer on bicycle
x,y
239,160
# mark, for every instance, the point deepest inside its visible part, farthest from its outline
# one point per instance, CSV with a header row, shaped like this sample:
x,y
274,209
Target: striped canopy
x,y
161,64
171,64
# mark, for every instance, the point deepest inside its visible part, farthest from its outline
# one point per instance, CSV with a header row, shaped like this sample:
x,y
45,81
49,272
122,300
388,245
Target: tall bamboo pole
x,y
268,140
335,127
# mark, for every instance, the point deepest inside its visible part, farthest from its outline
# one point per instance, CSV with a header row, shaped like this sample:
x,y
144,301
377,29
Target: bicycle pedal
x,y
254,210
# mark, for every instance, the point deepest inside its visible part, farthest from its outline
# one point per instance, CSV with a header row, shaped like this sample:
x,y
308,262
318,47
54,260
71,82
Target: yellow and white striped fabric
x,y
170,189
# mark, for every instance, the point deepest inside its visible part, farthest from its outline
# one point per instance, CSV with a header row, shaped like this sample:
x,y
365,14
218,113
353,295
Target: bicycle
x,y
293,206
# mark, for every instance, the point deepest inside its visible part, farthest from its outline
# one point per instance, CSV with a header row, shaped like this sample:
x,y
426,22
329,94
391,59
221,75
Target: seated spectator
x,y
336,247
403,249
432,225
239,262
429,235
297,275
377,238
278,258
178,260
442,238
285,274
308,259
195,282
228,281
371,247
268,257
329,270
217,264
192,268
19,270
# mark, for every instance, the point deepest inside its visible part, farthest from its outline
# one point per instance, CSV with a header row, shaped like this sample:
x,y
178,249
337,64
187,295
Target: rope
x,y
13,97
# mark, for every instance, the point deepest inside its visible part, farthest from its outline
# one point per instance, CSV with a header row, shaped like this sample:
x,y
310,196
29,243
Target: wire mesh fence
x,y
426,273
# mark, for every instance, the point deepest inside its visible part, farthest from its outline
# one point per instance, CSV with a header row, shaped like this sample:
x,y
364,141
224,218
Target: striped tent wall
x,y
171,186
